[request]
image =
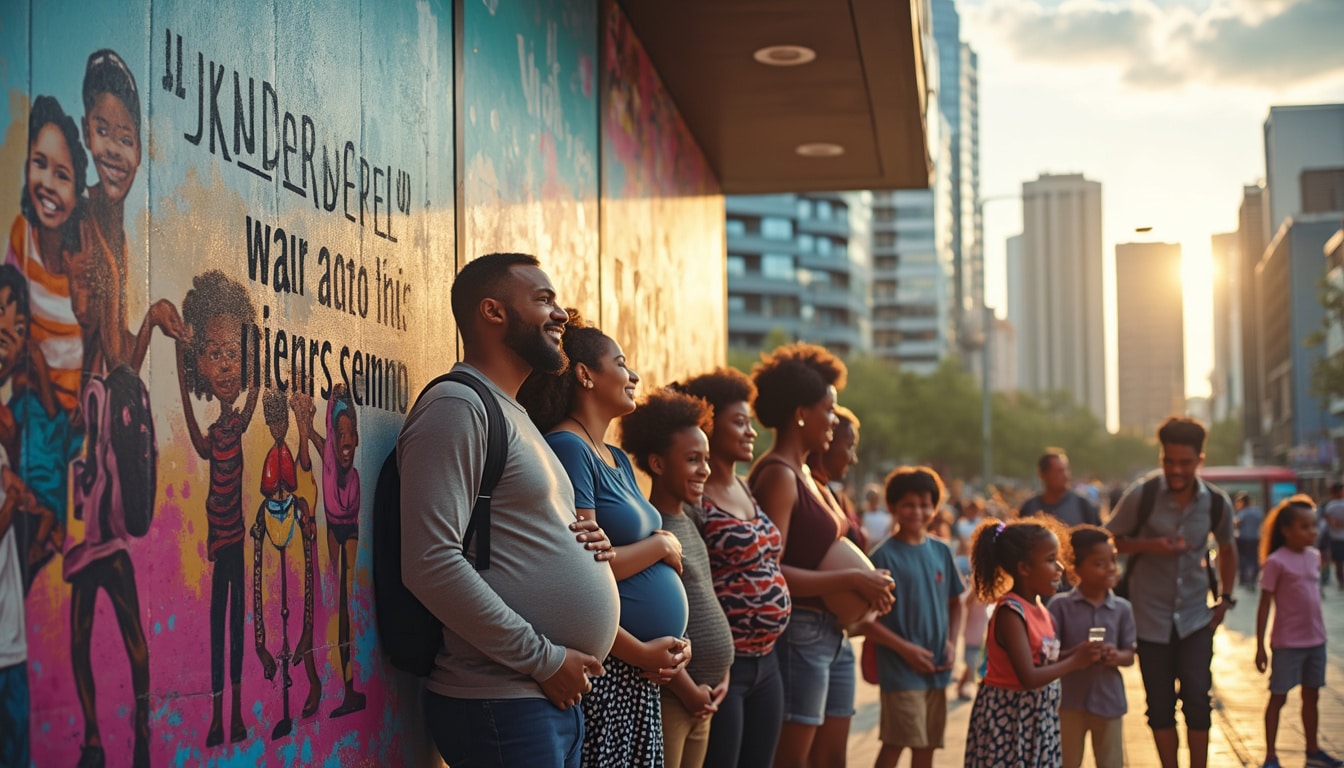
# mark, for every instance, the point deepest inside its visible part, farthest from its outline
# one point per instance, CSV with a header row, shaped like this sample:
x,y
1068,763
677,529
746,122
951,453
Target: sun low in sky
x,y
1162,101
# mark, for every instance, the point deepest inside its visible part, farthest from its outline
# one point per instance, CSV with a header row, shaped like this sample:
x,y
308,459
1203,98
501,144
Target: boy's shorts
x,y
914,719
1291,667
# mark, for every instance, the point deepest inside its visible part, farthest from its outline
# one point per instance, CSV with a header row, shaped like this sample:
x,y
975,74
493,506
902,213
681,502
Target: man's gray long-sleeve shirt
x,y
505,628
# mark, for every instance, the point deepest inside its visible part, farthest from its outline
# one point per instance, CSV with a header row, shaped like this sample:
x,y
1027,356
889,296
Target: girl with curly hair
x,y
744,549
1015,719
622,714
796,388
209,362
666,437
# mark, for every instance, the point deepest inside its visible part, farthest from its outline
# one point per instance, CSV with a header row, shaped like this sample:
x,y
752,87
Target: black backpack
x,y
1147,500
410,635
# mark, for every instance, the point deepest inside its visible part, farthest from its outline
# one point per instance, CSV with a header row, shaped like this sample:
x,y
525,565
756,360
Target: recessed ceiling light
x,y
819,149
784,55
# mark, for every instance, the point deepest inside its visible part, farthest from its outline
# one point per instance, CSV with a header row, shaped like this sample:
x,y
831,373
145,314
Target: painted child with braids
x,y
1015,721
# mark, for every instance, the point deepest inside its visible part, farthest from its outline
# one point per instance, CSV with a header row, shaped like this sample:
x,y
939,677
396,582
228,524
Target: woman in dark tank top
x,y
795,398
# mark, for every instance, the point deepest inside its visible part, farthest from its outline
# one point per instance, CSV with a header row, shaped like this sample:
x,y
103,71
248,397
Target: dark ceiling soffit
x,y
866,91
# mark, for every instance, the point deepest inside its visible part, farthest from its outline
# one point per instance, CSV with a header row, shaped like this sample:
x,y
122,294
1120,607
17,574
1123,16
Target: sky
x,y
1162,101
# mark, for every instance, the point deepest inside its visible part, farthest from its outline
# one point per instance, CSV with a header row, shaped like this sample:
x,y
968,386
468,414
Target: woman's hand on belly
x,y
672,553
660,659
593,538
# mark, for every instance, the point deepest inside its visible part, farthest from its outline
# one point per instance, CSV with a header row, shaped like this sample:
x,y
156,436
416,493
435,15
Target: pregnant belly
x,y
653,603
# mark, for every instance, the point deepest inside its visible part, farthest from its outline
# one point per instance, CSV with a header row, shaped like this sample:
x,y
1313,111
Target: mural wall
x,y
230,235
219,277
664,284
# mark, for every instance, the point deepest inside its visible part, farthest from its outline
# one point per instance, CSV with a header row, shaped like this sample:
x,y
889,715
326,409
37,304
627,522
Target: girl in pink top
x,y
1288,582
1015,721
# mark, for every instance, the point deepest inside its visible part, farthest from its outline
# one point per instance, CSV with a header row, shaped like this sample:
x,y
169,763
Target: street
x,y
1238,735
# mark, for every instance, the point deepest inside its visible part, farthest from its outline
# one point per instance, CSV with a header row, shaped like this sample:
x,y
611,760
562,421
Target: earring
x,y
587,383
800,423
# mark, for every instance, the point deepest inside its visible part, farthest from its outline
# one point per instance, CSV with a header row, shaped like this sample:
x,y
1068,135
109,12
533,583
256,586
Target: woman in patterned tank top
x,y
796,389
744,551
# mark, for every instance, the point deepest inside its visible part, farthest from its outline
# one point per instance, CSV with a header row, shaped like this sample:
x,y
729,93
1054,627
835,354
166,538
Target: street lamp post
x,y
986,356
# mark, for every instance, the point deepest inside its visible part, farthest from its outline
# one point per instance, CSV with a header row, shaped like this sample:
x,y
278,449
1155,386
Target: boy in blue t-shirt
x,y
916,641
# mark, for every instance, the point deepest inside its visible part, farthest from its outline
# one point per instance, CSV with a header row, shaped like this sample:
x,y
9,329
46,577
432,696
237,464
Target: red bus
x,y
1266,486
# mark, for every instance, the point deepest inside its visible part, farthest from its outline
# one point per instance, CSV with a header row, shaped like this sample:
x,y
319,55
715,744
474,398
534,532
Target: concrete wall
x,y
301,183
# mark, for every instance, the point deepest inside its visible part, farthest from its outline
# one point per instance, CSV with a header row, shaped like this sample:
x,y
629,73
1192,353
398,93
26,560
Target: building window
x,y
737,304
778,266
824,246
824,211
737,266
804,209
805,243
736,227
776,228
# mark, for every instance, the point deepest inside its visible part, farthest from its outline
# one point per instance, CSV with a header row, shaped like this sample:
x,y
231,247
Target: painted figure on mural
x,y
115,482
209,365
285,519
340,501
46,378
14,557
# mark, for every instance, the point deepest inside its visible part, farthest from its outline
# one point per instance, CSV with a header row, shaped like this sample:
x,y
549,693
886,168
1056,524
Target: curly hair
x,y
793,376
1283,513
907,480
47,111
648,430
549,397
720,388
213,294
997,548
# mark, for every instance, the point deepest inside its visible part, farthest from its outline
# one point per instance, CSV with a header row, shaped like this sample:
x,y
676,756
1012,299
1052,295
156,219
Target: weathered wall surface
x,y
664,288
230,282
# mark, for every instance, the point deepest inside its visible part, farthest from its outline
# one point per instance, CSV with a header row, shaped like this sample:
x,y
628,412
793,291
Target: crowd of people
x,y
708,621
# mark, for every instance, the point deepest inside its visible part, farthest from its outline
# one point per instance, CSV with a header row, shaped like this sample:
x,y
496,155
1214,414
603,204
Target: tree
x,y
1327,372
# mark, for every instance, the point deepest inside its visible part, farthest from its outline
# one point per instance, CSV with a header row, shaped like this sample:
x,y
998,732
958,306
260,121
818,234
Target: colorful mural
x,y
530,138
230,231
215,294
662,259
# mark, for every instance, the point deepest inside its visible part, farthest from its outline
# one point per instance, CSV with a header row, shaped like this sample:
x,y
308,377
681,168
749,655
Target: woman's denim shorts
x,y
817,664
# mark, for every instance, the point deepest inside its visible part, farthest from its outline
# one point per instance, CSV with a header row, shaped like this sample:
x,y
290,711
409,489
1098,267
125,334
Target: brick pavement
x,y
1237,739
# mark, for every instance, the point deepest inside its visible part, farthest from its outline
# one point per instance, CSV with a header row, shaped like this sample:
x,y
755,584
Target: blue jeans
x,y
14,716
504,733
746,727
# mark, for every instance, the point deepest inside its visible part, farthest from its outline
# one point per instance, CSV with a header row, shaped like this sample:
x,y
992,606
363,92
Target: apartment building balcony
x,y
762,205
756,283
760,244
836,227
753,323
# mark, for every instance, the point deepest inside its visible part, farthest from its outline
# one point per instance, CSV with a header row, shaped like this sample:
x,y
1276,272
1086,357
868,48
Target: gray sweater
x,y
505,628
711,637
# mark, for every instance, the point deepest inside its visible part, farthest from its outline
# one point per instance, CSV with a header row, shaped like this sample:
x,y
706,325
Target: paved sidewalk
x,y
1237,739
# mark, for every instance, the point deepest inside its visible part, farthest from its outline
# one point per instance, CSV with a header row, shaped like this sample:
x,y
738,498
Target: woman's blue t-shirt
x,y
653,601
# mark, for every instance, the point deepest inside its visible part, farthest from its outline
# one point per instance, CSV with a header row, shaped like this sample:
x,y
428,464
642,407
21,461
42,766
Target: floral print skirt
x,y
1015,729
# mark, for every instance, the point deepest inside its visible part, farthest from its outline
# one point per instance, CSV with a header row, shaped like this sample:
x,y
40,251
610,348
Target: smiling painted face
x,y
685,465
51,177
220,357
347,438
13,333
113,138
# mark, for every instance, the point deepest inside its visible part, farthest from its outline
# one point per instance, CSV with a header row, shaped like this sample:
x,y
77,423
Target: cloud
x,y
1260,43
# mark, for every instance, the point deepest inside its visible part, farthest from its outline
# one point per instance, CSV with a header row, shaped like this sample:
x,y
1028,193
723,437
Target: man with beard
x,y
521,637
1169,588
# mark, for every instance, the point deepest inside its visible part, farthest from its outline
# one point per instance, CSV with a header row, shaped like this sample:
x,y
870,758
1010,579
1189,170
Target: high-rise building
x,y
927,253
1225,380
1003,357
1289,277
1251,241
1304,161
798,264
1150,335
1062,336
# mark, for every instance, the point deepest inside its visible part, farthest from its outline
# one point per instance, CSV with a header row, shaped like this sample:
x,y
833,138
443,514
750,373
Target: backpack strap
x,y
1147,500
496,454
